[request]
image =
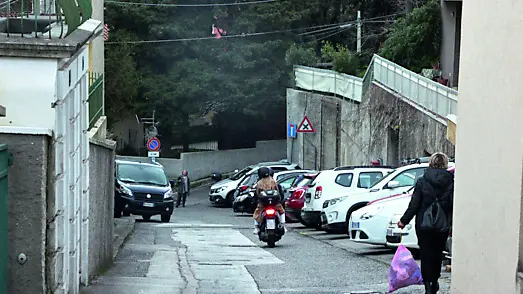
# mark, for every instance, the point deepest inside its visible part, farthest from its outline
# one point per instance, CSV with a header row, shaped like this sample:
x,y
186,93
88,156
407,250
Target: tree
x,y
414,41
121,78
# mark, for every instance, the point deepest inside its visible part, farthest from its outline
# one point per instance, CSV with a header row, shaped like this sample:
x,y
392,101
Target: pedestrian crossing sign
x,y
305,126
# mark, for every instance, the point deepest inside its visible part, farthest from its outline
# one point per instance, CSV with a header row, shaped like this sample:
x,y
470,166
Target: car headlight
x,y
371,211
168,194
124,190
220,189
337,200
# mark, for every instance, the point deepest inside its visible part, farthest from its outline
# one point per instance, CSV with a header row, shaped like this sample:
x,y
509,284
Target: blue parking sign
x,y
291,130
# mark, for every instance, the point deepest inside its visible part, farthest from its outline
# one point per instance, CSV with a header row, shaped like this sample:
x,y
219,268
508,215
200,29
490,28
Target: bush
x,y
299,55
342,59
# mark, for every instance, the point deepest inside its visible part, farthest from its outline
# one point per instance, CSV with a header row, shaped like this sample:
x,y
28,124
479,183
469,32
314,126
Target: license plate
x,y
355,225
389,232
271,224
147,204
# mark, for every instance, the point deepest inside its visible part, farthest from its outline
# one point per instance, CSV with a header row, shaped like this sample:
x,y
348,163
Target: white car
x,y
337,182
223,191
406,236
369,224
337,212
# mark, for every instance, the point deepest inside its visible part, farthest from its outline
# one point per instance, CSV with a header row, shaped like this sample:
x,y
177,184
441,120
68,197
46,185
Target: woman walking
x,y
431,204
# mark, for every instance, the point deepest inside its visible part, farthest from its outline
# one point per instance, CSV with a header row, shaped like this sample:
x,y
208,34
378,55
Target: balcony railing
x,y
428,94
39,18
96,97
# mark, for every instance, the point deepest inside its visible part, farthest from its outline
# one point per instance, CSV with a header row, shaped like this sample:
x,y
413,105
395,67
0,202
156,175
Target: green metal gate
x,y
4,164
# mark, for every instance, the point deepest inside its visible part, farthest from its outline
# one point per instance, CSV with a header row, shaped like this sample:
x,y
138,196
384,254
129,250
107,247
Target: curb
x,y
123,228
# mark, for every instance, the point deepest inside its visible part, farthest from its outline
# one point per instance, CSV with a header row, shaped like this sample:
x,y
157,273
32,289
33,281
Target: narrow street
x,y
206,249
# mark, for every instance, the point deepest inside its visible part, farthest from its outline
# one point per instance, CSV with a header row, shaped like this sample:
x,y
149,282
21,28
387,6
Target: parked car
x,y
406,236
223,191
369,224
287,179
335,183
337,212
142,189
296,200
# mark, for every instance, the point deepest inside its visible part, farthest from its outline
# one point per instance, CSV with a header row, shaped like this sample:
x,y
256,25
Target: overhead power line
x,y
188,5
342,26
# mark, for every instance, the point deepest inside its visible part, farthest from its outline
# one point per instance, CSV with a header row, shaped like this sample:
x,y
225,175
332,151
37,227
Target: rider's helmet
x,y
263,172
271,172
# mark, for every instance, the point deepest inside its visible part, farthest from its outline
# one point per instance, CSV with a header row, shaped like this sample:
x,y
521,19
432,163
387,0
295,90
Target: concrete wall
x,y
27,211
203,164
382,126
488,237
101,205
15,95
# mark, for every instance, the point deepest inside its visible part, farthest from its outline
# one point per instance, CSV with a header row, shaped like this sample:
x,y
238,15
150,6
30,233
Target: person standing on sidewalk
x,y
184,187
431,204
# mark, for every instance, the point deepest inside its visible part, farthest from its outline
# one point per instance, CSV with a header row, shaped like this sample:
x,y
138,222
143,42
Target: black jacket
x,y
435,183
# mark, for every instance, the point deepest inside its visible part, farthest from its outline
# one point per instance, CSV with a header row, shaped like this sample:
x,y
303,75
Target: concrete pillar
x,y
488,194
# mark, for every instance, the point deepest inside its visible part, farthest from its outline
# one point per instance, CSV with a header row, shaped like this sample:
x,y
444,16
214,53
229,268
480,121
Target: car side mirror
x,y
173,183
393,184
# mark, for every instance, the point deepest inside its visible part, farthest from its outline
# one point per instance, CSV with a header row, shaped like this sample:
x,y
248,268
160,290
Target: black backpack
x,y
435,218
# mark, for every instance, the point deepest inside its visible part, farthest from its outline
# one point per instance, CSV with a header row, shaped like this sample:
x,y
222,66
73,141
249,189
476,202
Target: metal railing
x,y
39,19
4,164
96,97
428,94
328,81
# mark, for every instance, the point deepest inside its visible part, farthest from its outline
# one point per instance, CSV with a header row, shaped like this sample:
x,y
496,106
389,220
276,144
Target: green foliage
x,y
121,79
342,59
414,41
244,79
300,55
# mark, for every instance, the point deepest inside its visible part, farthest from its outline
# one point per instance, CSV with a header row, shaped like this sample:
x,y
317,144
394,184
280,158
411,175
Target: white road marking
x,y
218,258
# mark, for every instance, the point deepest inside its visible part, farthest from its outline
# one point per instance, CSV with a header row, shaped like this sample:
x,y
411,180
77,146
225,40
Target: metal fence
x,y
4,164
96,97
430,95
38,18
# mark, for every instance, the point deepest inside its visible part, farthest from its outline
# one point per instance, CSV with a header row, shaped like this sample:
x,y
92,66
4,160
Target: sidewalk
x,y
123,227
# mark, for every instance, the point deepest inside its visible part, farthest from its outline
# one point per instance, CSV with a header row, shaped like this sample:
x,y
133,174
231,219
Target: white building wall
x,y
489,149
72,173
27,91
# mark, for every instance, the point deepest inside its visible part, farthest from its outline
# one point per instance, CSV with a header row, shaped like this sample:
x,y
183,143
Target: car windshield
x,y
241,173
141,174
385,178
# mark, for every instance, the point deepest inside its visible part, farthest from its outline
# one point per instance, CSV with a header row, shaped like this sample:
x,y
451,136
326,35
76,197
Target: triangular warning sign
x,y
305,126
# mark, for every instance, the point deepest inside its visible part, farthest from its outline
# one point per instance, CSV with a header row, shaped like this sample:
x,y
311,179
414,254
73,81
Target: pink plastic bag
x,y
404,271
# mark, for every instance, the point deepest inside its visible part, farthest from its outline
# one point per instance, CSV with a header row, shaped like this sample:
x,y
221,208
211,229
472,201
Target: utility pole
x,y
358,43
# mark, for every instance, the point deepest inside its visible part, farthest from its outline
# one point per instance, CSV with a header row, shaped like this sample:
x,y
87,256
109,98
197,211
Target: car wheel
x,y
229,199
166,218
117,213
126,213
349,214
146,217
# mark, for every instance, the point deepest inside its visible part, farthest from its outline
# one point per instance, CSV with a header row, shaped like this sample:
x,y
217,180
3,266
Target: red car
x,y
296,201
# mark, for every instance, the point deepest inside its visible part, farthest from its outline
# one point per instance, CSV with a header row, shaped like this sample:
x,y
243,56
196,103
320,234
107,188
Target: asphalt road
x,y
208,249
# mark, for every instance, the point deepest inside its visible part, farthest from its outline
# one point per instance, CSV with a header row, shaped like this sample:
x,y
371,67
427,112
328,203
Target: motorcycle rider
x,y
266,182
